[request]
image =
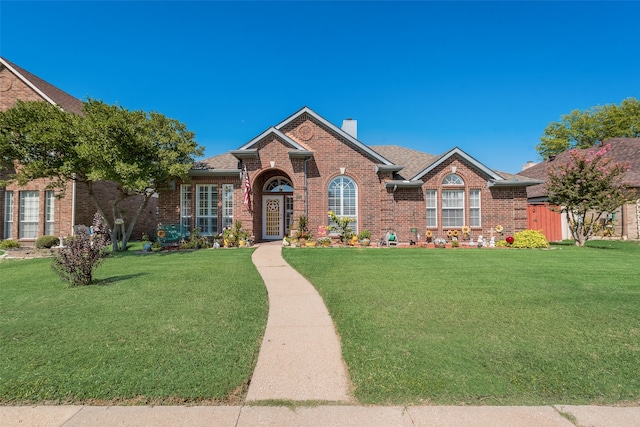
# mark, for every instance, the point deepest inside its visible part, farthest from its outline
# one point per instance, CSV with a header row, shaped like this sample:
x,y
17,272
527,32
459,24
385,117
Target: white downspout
x,y
73,204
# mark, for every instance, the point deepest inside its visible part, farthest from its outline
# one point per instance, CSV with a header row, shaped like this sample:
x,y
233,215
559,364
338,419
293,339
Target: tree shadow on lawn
x,y
115,279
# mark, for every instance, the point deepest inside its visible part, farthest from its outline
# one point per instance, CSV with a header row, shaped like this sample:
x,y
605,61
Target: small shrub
x,y
529,239
83,253
47,242
9,244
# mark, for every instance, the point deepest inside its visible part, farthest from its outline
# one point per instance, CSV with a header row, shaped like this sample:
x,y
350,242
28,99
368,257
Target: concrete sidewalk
x,y
370,416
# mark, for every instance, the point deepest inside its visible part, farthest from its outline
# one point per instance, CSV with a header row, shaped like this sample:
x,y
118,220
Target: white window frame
x,y
431,197
29,214
475,208
186,200
8,214
343,205
227,205
457,219
49,212
207,209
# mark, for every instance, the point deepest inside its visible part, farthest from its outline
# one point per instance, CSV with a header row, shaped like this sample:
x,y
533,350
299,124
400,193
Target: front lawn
x,y
156,328
493,327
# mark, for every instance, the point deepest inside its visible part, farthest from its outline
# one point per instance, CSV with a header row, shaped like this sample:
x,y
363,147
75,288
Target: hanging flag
x,y
247,188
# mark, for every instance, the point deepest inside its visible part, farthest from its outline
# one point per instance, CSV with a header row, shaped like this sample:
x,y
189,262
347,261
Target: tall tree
x,y
140,152
586,187
584,129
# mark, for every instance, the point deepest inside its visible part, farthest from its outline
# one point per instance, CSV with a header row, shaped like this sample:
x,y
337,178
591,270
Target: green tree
x,y
140,152
584,129
586,187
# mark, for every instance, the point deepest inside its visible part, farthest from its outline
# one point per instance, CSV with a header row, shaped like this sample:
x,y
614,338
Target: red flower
x,y
510,240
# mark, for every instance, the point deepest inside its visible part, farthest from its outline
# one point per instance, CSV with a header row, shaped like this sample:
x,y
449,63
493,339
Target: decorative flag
x,y
247,188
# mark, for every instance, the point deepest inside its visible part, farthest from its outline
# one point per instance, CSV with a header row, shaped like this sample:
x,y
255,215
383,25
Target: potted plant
x,y
324,241
342,226
365,237
440,242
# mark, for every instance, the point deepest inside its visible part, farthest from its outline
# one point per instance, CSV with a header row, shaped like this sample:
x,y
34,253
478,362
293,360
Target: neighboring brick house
x,y
306,165
625,220
33,210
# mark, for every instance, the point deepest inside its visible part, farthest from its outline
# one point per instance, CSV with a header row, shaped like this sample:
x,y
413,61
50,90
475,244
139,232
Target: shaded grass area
x,y
497,327
157,328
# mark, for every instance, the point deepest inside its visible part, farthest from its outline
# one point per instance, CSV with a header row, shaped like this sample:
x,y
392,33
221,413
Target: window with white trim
x,y
474,208
432,208
452,179
207,209
227,205
343,200
49,217
452,208
186,198
29,207
8,214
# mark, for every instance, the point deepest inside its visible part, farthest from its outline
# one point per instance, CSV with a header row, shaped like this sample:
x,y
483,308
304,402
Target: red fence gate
x,y
541,217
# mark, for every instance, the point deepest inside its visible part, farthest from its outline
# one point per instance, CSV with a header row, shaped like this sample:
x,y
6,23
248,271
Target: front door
x,y
272,217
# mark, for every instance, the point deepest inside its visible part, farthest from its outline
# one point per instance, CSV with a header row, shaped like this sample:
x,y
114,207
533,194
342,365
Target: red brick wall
x,y
13,89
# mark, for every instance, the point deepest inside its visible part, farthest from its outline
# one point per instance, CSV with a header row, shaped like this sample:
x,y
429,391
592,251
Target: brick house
x,y
624,222
306,165
30,211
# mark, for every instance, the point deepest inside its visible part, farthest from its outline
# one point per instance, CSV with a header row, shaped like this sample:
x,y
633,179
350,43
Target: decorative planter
x,y
242,243
310,244
366,242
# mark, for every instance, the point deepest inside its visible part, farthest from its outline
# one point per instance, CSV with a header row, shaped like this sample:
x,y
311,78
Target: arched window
x,y
452,179
343,199
278,184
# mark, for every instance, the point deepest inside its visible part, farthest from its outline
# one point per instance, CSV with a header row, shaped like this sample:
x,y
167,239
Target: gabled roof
x,y
457,151
622,150
46,90
350,139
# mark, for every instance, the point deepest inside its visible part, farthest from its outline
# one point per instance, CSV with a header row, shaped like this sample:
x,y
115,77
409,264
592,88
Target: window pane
x,y
185,208
8,214
452,179
207,212
343,200
227,205
29,207
474,208
452,208
49,213
432,208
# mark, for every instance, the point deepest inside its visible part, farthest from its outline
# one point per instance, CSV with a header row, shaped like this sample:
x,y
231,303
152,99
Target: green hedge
x,y
46,242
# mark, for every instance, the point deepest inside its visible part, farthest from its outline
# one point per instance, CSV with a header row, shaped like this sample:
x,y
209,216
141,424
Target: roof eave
x,y
215,172
403,184
510,183
300,154
245,154
388,168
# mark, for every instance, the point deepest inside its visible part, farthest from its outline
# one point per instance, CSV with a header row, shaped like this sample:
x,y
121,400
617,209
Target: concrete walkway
x,y
300,360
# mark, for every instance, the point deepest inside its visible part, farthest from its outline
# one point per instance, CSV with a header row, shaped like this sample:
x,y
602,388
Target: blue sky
x,y
484,76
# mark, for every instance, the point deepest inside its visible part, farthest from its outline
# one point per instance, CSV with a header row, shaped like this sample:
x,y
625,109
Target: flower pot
x,y
310,244
366,242
242,243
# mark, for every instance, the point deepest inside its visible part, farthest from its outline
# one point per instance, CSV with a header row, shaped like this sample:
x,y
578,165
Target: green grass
x,y
157,328
499,327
